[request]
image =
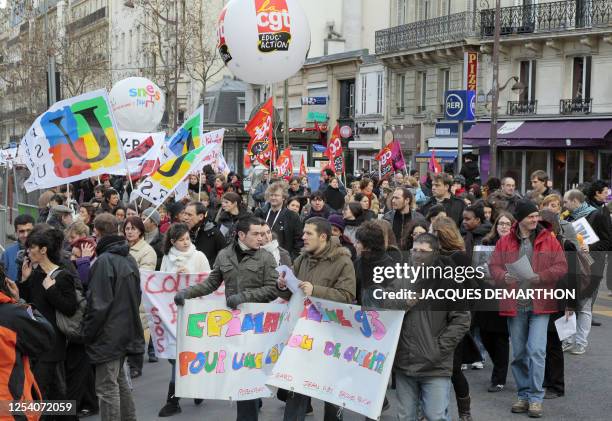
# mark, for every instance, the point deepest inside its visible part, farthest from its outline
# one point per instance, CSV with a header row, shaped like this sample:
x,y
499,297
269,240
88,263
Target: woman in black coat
x,y
333,196
51,288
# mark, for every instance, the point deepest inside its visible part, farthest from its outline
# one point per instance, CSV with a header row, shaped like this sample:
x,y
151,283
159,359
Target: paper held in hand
x,y
583,228
290,278
566,326
521,268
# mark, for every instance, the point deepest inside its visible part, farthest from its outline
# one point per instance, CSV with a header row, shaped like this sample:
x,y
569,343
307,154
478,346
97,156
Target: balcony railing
x,y
576,106
548,17
451,28
421,109
522,107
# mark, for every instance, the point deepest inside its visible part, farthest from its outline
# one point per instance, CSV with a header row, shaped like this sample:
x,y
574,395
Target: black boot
x,y
463,405
172,406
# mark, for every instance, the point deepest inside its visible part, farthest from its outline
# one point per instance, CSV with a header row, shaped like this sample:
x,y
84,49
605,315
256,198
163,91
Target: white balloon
x,y
265,47
138,104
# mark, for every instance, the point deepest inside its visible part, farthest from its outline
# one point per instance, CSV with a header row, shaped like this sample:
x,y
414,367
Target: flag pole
x,y
200,188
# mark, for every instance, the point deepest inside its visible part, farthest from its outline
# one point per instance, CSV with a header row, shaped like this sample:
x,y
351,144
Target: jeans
x,y
528,337
584,315
113,391
433,393
296,405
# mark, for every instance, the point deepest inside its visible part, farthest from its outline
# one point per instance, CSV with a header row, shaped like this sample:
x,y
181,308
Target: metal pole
x,y
176,66
495,99
459,145
286,113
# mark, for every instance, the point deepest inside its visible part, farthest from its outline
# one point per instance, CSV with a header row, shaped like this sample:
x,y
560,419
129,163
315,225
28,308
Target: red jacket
x,y
548,261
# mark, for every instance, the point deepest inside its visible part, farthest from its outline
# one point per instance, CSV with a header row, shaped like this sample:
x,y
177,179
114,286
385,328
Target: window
x,y
444,83
422,91
241,110
581,83
379,92
528,77
401,93
402,11
364,92
426,10
208,107
511,164
256,95
352,99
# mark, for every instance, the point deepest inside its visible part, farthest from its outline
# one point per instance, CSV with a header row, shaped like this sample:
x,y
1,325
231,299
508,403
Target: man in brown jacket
x,y
325,270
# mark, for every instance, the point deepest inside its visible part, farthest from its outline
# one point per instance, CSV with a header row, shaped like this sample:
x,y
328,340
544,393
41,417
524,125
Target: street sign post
x,y
460,105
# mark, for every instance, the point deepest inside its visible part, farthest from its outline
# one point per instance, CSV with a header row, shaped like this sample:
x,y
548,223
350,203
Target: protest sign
x,y
341,354
159,185
229,354
142,152
75,139
187,137
583,228
158,290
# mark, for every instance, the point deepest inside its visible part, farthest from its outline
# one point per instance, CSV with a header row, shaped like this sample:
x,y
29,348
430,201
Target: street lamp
x,y
518,86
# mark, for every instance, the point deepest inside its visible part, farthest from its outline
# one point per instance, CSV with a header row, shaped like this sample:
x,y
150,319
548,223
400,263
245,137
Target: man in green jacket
x,y
250,276
325,270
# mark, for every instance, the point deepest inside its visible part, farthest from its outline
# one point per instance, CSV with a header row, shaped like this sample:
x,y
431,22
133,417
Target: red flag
x,y
302,167
334,152
434,165
385,159
284,164
261,129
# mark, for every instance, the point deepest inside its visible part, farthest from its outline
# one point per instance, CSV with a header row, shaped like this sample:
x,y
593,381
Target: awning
x,y
444,157
547,134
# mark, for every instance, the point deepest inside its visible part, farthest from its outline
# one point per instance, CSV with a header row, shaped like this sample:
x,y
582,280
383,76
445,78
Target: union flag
x,y
261,147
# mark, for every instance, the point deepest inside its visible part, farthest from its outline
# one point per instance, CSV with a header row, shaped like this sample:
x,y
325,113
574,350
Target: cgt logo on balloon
x,y
273,25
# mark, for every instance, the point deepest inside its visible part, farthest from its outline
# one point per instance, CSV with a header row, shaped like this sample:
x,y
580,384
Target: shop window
x,y
589,166
534,160
559,161
606,166
511,166
573,169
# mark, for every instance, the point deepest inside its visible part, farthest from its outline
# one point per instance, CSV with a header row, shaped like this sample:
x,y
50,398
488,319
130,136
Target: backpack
x,y
71,326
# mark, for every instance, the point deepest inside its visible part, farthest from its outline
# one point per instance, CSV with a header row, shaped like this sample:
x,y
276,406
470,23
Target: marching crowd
x,y
72,324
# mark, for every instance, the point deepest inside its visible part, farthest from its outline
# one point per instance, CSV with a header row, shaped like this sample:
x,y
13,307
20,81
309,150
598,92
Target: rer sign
x,y
460,105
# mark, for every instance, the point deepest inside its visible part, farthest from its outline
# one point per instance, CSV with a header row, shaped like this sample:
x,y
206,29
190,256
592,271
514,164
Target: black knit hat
x,y
523,209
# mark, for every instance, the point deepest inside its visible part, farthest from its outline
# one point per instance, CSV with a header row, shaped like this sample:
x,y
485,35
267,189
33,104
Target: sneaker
x,y
595,323
463,367
520,406
495,388
567,346
198,402
153,358
535,410
135,373
478,365
578,350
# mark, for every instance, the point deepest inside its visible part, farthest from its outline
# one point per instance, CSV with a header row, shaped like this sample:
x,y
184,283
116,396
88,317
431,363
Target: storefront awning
x,y
546,134
444,157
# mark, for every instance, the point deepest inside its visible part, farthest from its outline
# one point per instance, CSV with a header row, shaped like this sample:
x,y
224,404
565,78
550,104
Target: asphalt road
x,y
588,380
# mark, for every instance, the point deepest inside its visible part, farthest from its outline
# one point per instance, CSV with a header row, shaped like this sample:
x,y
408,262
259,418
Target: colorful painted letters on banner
x,y
158,290
341,354
261,148
229,354
166,179
76,138
187,137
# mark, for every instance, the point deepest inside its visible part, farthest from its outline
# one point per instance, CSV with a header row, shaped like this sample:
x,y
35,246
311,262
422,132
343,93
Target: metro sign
x,y
460,105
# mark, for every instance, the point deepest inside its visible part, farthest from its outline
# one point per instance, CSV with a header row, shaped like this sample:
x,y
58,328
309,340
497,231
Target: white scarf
x,y
181,258
272,247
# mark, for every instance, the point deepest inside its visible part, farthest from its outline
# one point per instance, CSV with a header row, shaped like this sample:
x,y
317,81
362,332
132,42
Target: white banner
x,y
74,140
158,290
142,150
340,354
229,354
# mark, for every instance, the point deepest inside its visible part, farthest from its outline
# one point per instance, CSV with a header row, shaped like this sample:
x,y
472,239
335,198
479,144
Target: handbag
x,y
71,325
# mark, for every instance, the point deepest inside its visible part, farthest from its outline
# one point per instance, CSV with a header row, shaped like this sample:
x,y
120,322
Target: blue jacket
x,y
8,261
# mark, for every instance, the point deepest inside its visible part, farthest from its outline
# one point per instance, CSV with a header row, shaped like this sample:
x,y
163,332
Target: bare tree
x,y
203,61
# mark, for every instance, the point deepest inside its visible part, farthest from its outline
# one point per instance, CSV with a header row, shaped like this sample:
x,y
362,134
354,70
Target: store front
x,y
572,152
